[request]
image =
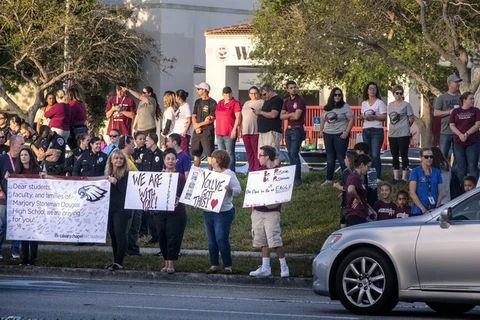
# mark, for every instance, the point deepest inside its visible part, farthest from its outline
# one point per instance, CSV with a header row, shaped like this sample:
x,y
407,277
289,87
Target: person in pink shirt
x,y
228,115
60,116
78,117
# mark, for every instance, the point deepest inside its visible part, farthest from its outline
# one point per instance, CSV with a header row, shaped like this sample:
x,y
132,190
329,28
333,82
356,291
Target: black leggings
x,y
31,246
118,226
399,146
170,227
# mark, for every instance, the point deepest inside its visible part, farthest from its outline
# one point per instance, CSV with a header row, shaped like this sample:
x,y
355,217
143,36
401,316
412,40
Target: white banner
x,y
151,190
268,187
205,189
60,210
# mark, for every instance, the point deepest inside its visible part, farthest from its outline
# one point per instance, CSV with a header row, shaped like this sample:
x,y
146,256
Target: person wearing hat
x,y
229,117
203,116
444,105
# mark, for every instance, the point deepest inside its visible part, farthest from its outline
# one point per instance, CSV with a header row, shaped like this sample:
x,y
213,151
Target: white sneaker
x,y
326,183
261,272
285,273
1,256
15,256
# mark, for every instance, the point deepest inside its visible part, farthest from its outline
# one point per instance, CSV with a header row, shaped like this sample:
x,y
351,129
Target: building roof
x,y
240,30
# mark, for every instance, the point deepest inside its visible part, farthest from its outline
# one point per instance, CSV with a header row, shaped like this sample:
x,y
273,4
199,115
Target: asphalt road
x,y
49,298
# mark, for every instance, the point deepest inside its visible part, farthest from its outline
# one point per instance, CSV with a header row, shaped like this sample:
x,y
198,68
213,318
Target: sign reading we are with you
x,y
205,189
267,187
151,190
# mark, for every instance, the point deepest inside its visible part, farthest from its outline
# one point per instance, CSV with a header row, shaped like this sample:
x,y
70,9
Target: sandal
x,y
228,270
164,269
211,270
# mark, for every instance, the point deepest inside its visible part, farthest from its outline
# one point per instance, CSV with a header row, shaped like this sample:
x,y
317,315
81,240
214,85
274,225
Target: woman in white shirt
x,y
373,114
183,120
217,225
170,108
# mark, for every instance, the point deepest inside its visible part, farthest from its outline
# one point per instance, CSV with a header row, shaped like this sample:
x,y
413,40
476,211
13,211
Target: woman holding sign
x,y
170,225
217,225
118,217
28,165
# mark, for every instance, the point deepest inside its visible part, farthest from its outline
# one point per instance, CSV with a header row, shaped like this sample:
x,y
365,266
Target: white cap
x,y
203,85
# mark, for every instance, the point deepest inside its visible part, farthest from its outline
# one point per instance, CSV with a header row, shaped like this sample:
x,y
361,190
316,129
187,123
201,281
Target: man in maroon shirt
x,y
120,111
293,110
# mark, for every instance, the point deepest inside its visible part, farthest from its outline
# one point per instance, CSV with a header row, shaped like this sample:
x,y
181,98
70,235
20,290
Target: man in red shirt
x,y
120,111
293,110
228,115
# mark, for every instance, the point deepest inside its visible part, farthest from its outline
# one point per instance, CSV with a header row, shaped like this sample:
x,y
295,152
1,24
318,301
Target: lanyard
x,y
121,103
11,161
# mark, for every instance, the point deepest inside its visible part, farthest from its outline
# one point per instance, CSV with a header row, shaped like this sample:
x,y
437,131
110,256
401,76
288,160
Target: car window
x,y
240,156
469,209
284,157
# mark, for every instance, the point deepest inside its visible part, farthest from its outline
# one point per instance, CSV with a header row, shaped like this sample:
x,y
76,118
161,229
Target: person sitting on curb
x,y
266,225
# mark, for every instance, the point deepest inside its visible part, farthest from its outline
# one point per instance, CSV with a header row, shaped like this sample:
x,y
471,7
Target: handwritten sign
x,y
151,190
205,189
268,187
64,210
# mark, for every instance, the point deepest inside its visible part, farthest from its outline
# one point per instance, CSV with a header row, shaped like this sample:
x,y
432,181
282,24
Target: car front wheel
x,y
366,282
450,308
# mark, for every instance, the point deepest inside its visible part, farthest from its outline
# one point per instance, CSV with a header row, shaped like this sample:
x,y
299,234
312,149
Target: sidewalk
x,y
103,248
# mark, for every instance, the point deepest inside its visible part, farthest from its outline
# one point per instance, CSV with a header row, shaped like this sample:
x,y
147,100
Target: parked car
x,y
241,164
431,258
413,158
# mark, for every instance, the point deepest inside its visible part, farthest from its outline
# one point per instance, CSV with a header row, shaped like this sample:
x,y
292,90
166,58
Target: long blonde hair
x,y
112,171
169,100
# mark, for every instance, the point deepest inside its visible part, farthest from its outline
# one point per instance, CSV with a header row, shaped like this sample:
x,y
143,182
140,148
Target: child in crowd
x,y
469,183
385,208
403,209
349,156
370,177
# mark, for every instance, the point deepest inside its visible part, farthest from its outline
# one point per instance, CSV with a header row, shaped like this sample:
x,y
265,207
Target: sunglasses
x,y
428,157
264,94
2,137
398,93
262,155
113,136
337,95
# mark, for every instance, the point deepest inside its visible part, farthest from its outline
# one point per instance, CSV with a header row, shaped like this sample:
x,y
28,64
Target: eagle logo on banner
x,y
92,193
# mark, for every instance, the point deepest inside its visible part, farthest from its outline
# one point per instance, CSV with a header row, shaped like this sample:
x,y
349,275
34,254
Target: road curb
x,y
134,275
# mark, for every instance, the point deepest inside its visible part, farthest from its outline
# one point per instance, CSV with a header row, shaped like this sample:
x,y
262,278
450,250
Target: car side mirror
x,y
445,215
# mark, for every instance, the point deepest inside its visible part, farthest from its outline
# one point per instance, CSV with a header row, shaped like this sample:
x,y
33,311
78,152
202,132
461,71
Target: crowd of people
x,y
430,185
135,146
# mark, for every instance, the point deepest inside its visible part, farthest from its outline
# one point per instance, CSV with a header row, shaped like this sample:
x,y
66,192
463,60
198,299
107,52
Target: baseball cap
x,y
227,90
453,77
203,85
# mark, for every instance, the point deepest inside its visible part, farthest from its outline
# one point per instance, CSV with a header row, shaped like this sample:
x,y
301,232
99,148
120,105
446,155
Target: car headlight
x,y
334,238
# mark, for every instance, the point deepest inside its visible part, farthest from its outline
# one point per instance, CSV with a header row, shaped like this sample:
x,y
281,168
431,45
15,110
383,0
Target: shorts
x,y
203,143
266,229
270,138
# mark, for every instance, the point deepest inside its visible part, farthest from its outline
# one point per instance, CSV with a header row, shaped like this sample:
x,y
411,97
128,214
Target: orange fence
x,y
316,111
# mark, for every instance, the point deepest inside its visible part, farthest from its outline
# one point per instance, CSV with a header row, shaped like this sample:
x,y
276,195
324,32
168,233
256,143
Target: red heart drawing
x,y
214,203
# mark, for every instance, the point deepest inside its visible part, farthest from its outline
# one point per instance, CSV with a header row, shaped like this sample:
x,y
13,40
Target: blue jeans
x,y
293,140
336,148
228,144
15,244
445,144
374,137
466,157
217,228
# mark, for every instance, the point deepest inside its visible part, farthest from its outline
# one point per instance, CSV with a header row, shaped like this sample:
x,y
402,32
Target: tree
x,y
101,47
348,42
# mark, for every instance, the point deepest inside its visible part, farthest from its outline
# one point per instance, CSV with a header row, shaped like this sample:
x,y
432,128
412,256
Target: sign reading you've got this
x,y
205,189
266,187
151,191
59,210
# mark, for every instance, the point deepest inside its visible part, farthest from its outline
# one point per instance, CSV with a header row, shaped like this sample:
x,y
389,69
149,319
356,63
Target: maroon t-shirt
x,y
361,210
464,120
60,116
403,212
291,105
119,121
79,113
384,210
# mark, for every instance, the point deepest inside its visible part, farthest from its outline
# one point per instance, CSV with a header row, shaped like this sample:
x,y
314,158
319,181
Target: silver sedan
x,y
433,258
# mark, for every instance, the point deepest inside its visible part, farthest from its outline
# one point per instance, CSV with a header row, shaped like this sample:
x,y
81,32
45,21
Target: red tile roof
x,y
241,29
